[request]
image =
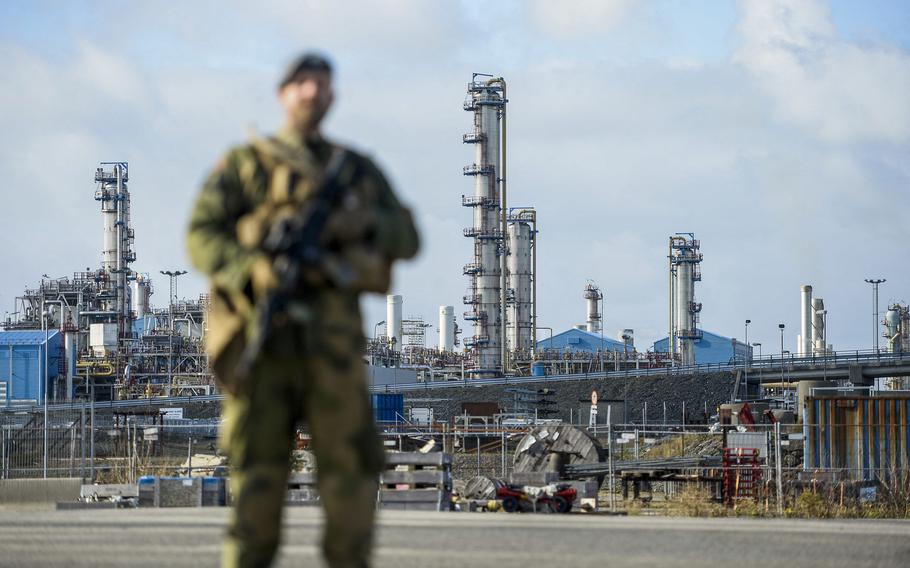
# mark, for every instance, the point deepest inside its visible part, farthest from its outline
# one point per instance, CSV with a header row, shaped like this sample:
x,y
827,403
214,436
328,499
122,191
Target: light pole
x,y
875,282
376,329
757,344
44,389
748,321
172,274
790,357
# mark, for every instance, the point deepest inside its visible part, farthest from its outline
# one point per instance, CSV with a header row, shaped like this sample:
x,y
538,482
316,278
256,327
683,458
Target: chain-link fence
x,y
101,446
760,468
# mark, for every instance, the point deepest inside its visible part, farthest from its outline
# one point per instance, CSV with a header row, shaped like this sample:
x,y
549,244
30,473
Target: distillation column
x,y
519,278
487,103
593,298
685,260
117,245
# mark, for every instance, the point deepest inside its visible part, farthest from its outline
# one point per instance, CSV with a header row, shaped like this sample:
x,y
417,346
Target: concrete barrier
x,y
39,490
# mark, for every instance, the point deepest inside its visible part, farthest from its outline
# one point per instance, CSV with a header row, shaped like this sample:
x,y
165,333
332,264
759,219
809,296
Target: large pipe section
x,y
393,320
593,301
447,328
487,271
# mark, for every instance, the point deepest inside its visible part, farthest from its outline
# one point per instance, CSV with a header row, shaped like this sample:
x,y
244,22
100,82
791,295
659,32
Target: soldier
x,y
310,367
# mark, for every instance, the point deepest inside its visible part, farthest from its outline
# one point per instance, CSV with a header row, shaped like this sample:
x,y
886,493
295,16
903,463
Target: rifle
x,y
295,245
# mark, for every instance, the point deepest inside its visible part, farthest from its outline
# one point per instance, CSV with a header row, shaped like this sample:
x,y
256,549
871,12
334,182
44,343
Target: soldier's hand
x,y
263,277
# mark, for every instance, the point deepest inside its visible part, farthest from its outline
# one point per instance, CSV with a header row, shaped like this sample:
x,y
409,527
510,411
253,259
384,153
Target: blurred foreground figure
x,y
291,229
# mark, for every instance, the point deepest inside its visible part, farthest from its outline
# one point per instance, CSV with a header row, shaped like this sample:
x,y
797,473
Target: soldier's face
x,y
307,99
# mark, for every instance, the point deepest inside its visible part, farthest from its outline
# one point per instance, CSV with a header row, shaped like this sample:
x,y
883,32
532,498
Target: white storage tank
x,y
393,320
447,328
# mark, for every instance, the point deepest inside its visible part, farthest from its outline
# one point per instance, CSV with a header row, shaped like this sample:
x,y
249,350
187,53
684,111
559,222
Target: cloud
x,y
839,91
787,176
568,19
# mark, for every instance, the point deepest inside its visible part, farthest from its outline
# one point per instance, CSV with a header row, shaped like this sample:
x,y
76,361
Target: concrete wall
x,y
39,490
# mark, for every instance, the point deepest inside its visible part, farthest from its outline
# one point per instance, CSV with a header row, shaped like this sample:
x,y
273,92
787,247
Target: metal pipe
x,y
671,348
534,284
503,208
44,324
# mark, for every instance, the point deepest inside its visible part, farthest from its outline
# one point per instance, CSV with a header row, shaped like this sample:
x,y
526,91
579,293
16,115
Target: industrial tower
x,y
685,271
117,247
521,302
593,299
485,298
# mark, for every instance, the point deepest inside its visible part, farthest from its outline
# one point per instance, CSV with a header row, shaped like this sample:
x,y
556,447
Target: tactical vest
x,y
281,181
353,262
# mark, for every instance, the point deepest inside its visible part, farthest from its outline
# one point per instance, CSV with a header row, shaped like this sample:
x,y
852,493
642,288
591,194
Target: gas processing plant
x,y
96,335
97,383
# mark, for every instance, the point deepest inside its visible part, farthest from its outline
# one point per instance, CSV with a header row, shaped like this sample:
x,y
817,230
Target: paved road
x,y
190,537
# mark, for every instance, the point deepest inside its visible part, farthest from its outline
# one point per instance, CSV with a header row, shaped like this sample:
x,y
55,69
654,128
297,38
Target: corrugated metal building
x,y
580,340
713,348
22,364
867,437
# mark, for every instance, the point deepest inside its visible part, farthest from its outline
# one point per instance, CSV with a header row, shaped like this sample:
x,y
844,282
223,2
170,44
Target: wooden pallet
x,y
416,482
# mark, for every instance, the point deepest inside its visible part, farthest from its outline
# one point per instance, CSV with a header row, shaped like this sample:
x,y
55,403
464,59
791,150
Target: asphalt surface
x,y
191,537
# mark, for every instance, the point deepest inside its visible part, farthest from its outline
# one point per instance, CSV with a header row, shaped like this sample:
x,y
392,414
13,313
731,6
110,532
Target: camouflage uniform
x,y
311,368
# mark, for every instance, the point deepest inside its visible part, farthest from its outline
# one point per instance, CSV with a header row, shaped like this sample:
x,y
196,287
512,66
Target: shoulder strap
x,y
272,151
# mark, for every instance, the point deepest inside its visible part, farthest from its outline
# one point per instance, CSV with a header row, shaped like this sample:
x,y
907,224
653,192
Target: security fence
x,y
764,467
100,446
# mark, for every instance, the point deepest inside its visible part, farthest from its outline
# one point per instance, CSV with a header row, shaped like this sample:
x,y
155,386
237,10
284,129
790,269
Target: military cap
x,y
310,61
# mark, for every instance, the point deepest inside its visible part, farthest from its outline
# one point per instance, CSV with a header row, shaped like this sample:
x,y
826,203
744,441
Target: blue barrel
x,y
388,407
538,370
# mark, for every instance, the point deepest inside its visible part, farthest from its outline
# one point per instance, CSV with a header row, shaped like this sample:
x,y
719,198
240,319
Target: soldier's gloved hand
x,y
262,277
350,225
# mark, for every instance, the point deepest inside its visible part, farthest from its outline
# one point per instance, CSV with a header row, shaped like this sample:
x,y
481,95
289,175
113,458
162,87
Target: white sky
x,y
777,132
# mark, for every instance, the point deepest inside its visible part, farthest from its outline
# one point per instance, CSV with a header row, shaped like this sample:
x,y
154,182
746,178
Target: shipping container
x,y
388,407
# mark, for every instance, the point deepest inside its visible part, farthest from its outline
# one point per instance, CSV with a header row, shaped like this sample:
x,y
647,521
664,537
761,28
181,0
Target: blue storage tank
x,y
538,369
388,407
